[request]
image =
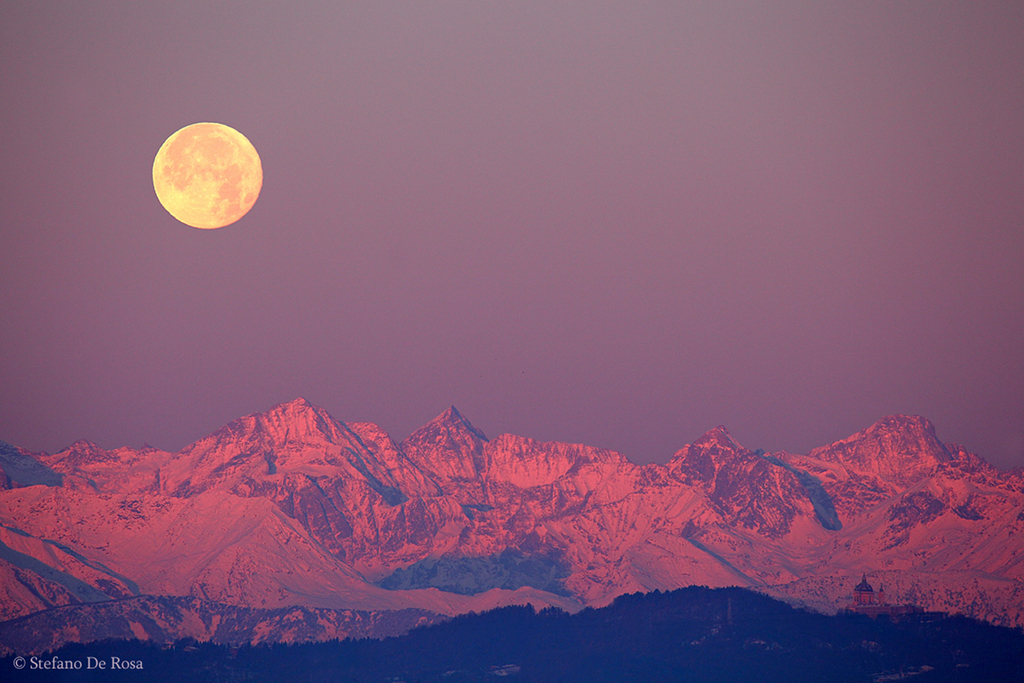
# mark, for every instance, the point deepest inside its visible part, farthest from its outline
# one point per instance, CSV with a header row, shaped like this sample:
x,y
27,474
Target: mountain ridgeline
x,y
294,509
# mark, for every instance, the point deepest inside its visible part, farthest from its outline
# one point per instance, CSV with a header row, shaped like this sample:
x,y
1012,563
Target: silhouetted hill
x,y
691,634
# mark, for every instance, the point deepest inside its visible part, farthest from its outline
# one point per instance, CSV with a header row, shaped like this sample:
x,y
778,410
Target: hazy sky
x,y
619,224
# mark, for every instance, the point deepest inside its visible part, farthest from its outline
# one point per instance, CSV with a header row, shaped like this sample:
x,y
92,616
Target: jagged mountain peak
x,y
448,445
705,457
296,409
83,452
899,449
967,461
718,437
716,443
83,445
294,421
453,418
902,424
291,506
449,425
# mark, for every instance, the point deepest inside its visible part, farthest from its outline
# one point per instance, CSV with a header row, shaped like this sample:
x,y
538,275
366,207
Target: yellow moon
x,y
207,175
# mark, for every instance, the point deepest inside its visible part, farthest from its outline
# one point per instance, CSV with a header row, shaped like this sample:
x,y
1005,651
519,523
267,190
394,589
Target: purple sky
x,y
619,224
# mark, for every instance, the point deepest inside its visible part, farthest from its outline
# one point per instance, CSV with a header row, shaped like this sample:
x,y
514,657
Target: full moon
x,y
207,175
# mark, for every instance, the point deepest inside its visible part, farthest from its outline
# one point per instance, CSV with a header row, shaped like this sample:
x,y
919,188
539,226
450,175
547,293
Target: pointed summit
x,y
83,452
295,424
899,449
453,417
296,409
719,437
705,457
84,445
296,420
299,403
449,445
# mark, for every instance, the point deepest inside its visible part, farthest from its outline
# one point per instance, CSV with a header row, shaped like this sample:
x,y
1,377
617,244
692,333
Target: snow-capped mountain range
x,y
294,509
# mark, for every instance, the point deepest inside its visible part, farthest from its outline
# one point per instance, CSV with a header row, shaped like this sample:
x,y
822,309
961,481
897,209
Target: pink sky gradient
x,y
612,223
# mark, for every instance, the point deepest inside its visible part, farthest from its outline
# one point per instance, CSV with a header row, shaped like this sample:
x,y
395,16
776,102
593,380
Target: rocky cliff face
x,y
294,508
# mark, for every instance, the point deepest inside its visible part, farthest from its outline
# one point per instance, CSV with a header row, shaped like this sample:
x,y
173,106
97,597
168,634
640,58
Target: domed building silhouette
x,y
866,601
864,594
